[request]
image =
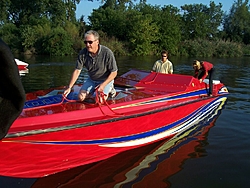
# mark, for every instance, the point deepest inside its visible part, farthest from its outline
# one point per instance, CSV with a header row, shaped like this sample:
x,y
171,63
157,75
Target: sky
x,y
86,7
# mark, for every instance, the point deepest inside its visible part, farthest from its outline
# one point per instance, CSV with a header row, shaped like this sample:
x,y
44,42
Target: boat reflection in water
x,y
147,166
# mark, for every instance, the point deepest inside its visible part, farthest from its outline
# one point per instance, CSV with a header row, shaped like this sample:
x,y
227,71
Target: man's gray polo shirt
x,y
100,66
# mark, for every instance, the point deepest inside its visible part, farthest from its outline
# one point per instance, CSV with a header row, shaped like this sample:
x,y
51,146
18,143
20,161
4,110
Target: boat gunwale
x,y
104,121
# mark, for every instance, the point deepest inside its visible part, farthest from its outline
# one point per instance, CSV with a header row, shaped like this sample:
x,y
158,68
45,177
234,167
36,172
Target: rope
x,y
102,97
68,100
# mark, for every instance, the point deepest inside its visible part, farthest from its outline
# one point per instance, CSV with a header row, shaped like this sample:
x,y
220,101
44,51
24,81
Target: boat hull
x,y
140,167
49,152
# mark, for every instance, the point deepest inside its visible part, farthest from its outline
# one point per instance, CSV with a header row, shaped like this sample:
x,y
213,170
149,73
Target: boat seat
x,y
169,82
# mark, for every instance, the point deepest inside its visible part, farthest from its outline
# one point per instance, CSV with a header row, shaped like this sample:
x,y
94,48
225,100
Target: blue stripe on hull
x,y
200,114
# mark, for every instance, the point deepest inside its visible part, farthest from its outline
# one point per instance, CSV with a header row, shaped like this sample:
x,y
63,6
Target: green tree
x,y
201,21
141,32
170,29
26,12
58,43
168,21
237,22
4,6
9,33
29,12
109,21
29,17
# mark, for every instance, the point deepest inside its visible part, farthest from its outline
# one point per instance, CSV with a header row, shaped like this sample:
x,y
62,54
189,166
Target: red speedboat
x,y
54,134
21,65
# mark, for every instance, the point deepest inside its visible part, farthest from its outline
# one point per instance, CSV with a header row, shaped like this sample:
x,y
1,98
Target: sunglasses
x,y
90,42
163,56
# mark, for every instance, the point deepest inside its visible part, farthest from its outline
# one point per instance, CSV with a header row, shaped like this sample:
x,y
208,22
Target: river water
x,y
216,155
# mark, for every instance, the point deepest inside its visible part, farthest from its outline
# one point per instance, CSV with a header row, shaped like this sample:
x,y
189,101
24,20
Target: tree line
x,y
128,27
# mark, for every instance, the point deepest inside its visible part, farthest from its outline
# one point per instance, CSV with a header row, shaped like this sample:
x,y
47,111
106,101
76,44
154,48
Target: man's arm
x,y
171,69
196,73
206,66
154,67
73,79
204,76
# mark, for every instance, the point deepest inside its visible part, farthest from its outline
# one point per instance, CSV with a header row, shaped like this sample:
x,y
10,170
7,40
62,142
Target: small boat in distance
x,y
21,65
54,133
23,72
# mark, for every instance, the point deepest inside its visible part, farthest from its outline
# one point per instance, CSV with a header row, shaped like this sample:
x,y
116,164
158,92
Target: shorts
x,y
90,85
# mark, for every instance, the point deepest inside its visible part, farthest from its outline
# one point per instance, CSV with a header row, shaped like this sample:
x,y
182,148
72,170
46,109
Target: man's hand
x,y
66,92
101,87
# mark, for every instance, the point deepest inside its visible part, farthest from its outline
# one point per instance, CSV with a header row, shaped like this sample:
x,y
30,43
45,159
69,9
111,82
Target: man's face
x,y
164,57
91,43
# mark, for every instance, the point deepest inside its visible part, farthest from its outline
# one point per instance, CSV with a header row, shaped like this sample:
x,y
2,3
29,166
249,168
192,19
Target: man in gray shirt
x,y
100,64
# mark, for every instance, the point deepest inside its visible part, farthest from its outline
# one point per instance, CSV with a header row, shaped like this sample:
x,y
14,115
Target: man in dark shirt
x,y
100,64
202,70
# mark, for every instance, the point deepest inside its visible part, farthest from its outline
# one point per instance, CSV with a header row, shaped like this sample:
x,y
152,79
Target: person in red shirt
x,y
202,70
